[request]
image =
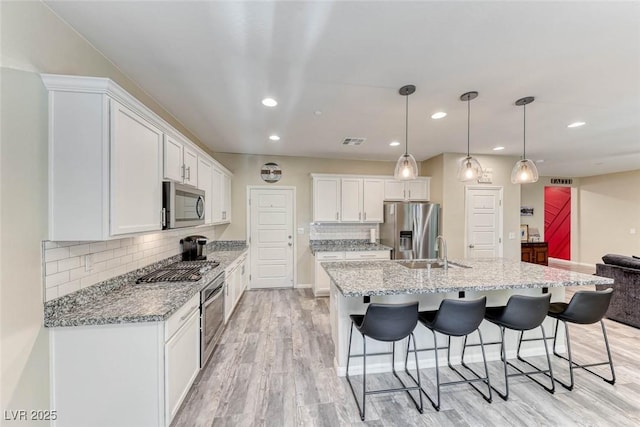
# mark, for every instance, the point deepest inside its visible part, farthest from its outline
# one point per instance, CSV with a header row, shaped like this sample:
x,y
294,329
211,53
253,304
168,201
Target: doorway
x,y
271,222
557,221
484,222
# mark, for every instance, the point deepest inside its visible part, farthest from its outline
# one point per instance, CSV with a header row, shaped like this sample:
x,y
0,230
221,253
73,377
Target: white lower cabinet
x,y
237,280
322,282
132,374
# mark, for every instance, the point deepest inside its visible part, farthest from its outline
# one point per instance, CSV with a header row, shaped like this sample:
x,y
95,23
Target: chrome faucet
x,y
445,263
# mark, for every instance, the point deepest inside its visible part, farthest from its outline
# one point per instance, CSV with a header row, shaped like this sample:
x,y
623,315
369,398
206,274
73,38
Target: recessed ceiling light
x,y
540,161
269,102
317,113
576,124
394,143
274,138
439,115
498,148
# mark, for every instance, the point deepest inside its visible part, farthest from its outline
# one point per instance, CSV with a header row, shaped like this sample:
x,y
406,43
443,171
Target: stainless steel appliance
x,y
193,248
211,298
211,317
182,206
410,229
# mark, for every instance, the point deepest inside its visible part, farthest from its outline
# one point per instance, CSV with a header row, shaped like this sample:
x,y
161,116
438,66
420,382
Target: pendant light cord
x,y
468,122
406,126
524,132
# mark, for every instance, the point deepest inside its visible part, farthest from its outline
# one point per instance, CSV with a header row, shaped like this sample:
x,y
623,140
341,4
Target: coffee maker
x,y
194,248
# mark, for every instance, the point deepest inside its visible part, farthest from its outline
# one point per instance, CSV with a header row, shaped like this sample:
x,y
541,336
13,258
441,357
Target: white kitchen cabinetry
x,y
105,162
125,374
237,279
417,189
205,183
322,282
361,200
180,162
221,204
326,199
108,154
136,158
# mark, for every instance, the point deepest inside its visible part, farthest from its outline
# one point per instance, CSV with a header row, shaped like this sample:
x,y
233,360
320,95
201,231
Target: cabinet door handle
x,y
337,216
163,217
189,173
188,313
365,216
182,172
471,246
290,244
359,216
409,193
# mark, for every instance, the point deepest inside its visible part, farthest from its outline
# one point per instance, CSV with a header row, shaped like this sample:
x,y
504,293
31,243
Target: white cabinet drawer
x,y
367,255
328,256
178,318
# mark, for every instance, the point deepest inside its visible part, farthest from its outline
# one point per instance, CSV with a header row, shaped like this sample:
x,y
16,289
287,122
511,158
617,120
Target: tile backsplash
x,y
65,263
341,231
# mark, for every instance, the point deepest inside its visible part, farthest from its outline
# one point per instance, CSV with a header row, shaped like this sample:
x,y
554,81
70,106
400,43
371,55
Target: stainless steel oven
x,y
182,205
211,317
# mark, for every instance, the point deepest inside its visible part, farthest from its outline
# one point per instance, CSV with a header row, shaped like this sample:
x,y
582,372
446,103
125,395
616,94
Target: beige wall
x,y
295,172
446,189
609,207
33,41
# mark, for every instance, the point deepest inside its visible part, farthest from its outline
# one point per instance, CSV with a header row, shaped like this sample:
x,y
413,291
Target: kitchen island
x,y
354,284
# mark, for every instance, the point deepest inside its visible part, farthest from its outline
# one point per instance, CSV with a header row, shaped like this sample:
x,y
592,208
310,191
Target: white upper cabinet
x,y
180,162
205,183
417,189
108,155
136,162
372,200
326,199
221,203
348,198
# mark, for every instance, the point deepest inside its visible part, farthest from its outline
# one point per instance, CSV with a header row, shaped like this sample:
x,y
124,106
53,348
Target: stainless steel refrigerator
x,y
411,228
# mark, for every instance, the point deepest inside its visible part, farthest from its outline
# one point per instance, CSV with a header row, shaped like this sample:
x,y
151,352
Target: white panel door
x,y
136,173
205,183
326,199
372,200
484,222
351,200
271,238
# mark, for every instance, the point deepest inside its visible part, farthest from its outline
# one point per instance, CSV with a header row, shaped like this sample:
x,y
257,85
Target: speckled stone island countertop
x,y
121,300
366,278
346,245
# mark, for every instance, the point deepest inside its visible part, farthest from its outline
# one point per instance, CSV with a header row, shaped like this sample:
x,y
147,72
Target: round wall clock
x,y
271,172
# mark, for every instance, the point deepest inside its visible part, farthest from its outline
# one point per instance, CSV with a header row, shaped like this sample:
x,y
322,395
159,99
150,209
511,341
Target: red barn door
x,y
557,221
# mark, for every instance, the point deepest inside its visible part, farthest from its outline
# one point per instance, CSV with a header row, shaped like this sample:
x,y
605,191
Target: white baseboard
x,y
303,285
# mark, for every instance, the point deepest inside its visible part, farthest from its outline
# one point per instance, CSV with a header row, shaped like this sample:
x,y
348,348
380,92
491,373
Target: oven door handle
x,y
213,297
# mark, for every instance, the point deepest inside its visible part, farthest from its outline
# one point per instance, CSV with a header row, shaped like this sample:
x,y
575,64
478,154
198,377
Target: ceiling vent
x,y
353,141
562,181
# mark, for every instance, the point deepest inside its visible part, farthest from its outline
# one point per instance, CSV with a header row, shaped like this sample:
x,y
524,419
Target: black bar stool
x,y
585,308
388,323
522,313
454,318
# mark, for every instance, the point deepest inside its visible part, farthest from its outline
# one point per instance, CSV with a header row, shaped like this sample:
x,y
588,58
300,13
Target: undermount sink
x,y
420,264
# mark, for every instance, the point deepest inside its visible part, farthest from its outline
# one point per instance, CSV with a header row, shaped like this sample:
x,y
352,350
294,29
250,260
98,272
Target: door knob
x,y
471,246
290,244
289,236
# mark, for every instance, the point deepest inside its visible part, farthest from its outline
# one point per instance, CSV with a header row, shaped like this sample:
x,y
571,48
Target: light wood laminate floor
x,y
274,367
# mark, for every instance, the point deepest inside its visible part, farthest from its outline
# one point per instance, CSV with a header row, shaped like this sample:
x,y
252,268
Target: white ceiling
x,y
210,64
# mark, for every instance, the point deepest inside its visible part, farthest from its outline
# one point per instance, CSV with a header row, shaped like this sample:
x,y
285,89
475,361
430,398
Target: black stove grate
x,y
181,271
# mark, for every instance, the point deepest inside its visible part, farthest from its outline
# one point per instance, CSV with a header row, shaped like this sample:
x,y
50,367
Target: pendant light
x,y
525,171
469,168
406,167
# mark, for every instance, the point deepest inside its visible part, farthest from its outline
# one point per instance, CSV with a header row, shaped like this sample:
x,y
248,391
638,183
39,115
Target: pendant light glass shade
x,y
406,166
469,168
524,171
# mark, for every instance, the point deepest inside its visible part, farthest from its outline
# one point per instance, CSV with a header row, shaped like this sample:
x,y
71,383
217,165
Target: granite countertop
x,y
366,278
355,245
121,300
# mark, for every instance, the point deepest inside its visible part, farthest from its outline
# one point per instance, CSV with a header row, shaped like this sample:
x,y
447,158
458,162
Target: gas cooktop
x,y
181,271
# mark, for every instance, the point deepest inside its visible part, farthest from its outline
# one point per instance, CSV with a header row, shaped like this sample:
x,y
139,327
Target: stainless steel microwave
x,y
182,206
